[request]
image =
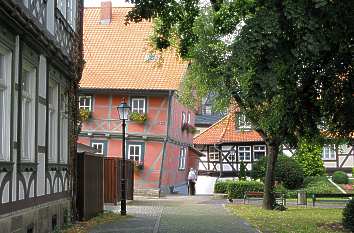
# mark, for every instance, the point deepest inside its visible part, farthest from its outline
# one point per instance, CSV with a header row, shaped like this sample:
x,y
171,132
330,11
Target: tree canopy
x,y
288,64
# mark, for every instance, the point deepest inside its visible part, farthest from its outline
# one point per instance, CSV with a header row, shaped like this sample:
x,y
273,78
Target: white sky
x,y
97,3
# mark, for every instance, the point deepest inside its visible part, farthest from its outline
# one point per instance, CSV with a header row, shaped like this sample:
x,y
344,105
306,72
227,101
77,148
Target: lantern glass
x,y
123,110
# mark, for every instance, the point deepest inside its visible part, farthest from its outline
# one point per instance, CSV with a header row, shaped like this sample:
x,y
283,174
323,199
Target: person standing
x,y
192,178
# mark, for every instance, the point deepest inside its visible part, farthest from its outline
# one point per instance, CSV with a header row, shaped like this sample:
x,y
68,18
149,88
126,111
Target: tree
x,y
308,155
288,64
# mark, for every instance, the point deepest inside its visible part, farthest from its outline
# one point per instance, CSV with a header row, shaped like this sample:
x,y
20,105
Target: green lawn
x,y
294,220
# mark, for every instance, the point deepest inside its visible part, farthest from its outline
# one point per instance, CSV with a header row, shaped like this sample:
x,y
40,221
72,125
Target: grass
x,y
293,220
85,226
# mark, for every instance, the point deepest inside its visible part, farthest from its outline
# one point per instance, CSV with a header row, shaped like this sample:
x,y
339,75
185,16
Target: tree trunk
x,y
269,200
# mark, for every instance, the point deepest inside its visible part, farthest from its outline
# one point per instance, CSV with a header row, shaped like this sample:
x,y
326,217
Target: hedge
x,y
237,189
221,186
340,177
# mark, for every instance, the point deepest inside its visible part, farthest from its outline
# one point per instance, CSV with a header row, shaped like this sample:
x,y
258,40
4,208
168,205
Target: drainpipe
x,y
170,94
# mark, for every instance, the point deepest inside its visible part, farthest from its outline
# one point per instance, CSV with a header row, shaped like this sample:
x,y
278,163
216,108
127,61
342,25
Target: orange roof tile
x,y
115,55
224,131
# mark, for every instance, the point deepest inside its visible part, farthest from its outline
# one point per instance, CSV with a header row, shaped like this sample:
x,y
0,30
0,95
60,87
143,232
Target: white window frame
x,y
96,146
257,149
64,126
214,154
184,118
134,156
53,121
182,158
243,123
189,118
85,106
139,109
28,99
244,149
5,92
329,152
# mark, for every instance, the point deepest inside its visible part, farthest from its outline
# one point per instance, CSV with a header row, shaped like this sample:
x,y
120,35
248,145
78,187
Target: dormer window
x,y
243,123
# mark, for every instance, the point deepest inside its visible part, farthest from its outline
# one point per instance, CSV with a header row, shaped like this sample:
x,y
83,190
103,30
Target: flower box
x,y
138,117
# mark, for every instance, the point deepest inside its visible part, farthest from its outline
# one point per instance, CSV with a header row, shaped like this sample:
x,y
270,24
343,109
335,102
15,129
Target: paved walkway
x,y
176,214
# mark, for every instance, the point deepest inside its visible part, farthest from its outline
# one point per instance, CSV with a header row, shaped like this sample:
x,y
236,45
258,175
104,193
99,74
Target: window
x,y
182,158
5,100
244,153
183,118
243,123
67,9
259,152
231,157
85,102
213,154
189,118
207,110
138,105
53,121
28,113
63,158
99,146
328,152
135,152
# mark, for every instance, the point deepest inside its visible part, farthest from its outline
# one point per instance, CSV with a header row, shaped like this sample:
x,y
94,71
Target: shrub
x,y
348,216
340,177
308,155
287,171
221,186
237,189
353,172
242,173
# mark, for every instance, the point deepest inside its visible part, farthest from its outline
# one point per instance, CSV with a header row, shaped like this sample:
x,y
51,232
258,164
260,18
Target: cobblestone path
x,y
176,214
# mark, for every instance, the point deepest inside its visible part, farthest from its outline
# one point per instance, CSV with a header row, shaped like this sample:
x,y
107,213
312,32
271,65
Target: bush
x,y
348,216
287,171
340,177
221,186
242,173
308,155
237,189
353,172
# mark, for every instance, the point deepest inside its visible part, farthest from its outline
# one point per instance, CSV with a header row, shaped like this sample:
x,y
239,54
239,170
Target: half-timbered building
x,y
121,65
227,143
37,78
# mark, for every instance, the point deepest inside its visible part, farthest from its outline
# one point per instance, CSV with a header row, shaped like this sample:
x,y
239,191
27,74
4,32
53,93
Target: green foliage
x,y
138,117
242,173
85,115
287,171
308,155
237,189
340,177
348,216
353,172
221,186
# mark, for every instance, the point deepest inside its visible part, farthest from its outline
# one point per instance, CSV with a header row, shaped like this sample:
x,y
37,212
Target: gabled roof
x,y
118,56
225,131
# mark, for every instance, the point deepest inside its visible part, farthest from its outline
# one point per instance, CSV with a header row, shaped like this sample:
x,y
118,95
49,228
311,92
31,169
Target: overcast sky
x,y
95,3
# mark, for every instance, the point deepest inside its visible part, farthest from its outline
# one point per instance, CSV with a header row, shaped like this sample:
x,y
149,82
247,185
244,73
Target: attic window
x,y
242,121
151,57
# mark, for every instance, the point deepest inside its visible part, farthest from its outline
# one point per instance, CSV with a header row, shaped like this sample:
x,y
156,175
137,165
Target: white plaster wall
x,y
205,184
41,124
42,76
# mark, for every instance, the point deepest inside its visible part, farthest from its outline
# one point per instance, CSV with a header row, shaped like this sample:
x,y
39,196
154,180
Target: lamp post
x,y
123,110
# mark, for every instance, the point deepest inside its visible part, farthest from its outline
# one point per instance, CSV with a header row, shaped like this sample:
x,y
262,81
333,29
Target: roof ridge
x,y
210,127
227,125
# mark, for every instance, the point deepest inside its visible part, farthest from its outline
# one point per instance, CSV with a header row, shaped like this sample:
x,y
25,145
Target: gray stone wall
x,y
39,218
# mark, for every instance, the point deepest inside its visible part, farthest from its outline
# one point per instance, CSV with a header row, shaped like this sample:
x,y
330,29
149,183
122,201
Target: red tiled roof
x,y
224,131
115,55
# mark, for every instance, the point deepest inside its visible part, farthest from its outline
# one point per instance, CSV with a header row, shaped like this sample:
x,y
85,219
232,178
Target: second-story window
x,y
67,9
184,118
243,123
189,118
28,112
138,105
85,102
53,121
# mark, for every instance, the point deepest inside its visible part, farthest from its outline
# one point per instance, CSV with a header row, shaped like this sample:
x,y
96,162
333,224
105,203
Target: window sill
x,y
27,166
6,166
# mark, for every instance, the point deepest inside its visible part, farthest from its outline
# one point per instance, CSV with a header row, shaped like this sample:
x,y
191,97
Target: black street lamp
x,y
123,110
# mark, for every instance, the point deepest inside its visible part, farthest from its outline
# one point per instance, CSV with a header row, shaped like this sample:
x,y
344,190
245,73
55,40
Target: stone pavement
x,y
176,214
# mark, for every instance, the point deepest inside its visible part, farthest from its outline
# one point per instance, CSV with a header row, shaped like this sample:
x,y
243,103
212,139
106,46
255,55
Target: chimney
x,y
106,12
